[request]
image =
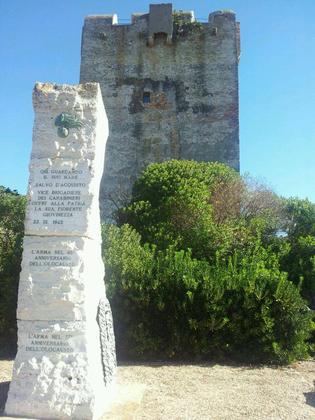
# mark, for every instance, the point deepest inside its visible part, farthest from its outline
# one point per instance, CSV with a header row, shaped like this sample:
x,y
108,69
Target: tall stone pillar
x,y
66,351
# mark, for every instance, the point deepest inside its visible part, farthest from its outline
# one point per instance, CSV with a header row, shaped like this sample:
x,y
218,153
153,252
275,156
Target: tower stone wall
x,y
170,89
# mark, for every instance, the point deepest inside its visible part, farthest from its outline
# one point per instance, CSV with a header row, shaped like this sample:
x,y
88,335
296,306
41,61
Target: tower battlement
x,y
170,88
112,19
160,19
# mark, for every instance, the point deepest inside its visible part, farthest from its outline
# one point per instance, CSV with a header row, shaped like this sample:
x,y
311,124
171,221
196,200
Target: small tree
x,y
205,207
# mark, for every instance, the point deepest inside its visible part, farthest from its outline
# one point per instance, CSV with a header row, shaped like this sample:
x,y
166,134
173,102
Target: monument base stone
x,y
66,361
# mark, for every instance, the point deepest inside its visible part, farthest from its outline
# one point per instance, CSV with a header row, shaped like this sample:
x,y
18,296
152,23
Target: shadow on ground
x,y
7,352
310,397
205,364
4,388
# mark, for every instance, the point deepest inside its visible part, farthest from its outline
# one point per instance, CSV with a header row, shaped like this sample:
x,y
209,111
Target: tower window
x,y
146,97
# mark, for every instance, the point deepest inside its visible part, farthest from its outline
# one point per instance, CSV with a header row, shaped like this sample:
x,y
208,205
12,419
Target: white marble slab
x,y
66,350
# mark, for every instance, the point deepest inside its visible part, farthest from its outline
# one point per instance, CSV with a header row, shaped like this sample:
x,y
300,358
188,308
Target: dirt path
x,y
215,392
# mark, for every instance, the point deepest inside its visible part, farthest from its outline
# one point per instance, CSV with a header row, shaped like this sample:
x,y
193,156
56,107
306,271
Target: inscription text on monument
x,y
57,194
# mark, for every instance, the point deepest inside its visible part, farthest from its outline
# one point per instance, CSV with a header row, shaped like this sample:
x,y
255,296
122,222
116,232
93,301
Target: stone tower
x,y
170,89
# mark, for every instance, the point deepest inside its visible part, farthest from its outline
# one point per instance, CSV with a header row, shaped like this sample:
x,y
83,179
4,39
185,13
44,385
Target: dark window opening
x,y
160,36
146,97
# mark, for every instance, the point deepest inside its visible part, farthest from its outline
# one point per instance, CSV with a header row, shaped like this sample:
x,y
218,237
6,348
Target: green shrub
x,y
205,207
171,206
183,27
12,214
193,270
299,260
300,217
212,283
167,304
128,270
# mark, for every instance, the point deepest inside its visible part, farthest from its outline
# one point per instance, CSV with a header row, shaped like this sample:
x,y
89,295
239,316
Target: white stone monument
x,y
66,351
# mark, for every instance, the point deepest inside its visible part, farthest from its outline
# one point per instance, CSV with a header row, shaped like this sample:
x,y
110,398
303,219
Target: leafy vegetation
x,y
182,26
299,259
204,207
202,263
12,214
167,304
197,267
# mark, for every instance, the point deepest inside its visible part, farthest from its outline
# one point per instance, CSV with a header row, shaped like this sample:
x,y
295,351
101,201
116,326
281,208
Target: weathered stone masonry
x,y
169,91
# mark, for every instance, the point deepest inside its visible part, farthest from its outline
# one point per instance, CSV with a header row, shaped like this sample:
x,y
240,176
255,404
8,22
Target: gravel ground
x,y
215,392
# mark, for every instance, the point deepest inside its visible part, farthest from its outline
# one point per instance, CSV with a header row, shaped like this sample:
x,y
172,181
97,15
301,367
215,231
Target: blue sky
x,y
40,40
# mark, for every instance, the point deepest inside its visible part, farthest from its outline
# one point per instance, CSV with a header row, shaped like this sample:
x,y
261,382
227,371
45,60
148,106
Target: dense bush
x,y
12,213
299,260
167,304
198,267
202,263
171,206
205,207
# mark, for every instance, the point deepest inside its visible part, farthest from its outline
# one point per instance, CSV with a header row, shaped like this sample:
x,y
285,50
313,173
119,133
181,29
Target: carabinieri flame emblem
x,y
66,121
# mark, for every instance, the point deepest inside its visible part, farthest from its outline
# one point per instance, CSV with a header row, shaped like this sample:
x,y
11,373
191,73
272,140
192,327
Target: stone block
x,y
56,278
63,197
193,87
86,121
160,20
66,360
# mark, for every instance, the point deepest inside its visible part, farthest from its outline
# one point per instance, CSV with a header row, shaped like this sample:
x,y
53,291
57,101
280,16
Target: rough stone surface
x,y
125,398
65,172
160,21
105,321
59,368
192,83
56,278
